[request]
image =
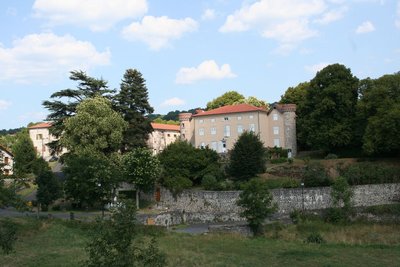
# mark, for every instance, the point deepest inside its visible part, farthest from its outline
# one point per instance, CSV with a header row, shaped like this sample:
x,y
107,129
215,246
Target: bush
x,y
290,160
315,176
315,238
278,160
370,173
8,235
336,215
209,182
282,183
177,184
331,156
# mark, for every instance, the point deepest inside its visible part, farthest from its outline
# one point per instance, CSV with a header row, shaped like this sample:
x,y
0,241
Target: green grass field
x,y
59,243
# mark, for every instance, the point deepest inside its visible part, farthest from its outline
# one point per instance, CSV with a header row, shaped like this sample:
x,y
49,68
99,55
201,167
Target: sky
x,y
189,52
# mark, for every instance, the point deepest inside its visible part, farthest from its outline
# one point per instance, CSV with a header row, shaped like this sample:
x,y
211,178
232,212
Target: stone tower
x,y
289,124
185,120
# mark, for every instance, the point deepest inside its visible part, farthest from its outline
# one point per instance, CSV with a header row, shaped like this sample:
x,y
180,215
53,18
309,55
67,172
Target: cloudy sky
x,y
188,51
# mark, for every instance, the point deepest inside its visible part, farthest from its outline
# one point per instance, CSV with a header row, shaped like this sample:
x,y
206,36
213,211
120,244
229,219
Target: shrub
x,y
295,216
315,238
336,215
209,182
315,175
331,156
278,160
8,235
290,160
177,184
370,173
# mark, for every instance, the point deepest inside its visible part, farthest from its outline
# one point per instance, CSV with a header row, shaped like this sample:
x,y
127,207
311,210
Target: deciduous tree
x,y
24,155
228,98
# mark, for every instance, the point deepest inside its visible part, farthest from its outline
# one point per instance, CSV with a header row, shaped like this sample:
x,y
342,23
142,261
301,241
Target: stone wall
x,y
220,206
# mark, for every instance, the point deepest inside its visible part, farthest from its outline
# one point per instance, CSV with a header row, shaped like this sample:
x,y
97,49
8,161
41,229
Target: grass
x,y
59,243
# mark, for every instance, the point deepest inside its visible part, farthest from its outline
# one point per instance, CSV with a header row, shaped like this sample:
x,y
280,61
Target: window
x,y
201,131
213,130
201,121
276,142
252,127
183,125
275,117
227,130
214,146
276,130
212,120
39,137
240,129
239,118
226,118
251,117
6,159
168,135
174,135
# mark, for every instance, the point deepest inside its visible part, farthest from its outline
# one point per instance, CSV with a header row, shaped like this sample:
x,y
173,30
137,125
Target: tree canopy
x,y
132,102
24,155
228,98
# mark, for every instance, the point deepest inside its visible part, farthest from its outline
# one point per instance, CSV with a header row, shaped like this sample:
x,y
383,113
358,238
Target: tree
x,y
60,110
115,242
228,98
93,136
95,127
24,155
378,114
329,109
247,157
256,201
49,188
142,169
341,195
184,165
254,101
133,103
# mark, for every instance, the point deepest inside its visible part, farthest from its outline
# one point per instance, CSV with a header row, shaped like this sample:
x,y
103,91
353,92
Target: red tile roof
x,y
40,125
230,109
166,127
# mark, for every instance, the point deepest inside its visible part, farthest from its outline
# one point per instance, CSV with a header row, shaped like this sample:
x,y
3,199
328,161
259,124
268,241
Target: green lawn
x,y
57,243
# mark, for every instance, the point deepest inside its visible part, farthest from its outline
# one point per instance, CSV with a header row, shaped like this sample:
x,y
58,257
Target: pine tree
x,y
132,102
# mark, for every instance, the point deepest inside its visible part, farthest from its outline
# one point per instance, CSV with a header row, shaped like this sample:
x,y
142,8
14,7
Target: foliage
x,y
132,102
94,127
329,109
278,160
256,201
228,98
60,110
8,235
392,209
24,155
379,115
331,156
142,169
159,120
49,188
112,243
209,182
276,152
282,183
341,193
315,238
184,165
247,157
254,101
315,175
370,173
8,140
91,177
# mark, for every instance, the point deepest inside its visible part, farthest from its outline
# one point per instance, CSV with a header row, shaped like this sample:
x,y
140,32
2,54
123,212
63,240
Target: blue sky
x,y
189,52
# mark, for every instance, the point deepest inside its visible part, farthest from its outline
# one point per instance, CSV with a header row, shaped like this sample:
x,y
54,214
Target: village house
x,y
220,128
162,136
41,137
6,161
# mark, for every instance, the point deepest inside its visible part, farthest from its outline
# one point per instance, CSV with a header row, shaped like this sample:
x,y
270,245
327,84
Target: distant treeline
x,y
10,131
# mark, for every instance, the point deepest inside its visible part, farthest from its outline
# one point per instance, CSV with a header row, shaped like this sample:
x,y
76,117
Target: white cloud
x,y
4,104
208,14
285,21
175,101
40,57
332,15
157,32
317,67
98,15
365,27
207,70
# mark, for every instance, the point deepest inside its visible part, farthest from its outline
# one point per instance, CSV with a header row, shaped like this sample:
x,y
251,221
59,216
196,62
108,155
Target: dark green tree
x,y
256,201
24,155
184,165
49,188
133,103
63,103
228,98
379,115
141,169
329,109
247,157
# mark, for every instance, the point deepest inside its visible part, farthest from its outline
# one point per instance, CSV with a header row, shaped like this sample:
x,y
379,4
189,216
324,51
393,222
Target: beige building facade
x,y
6,161
220,128
162,136
41,137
